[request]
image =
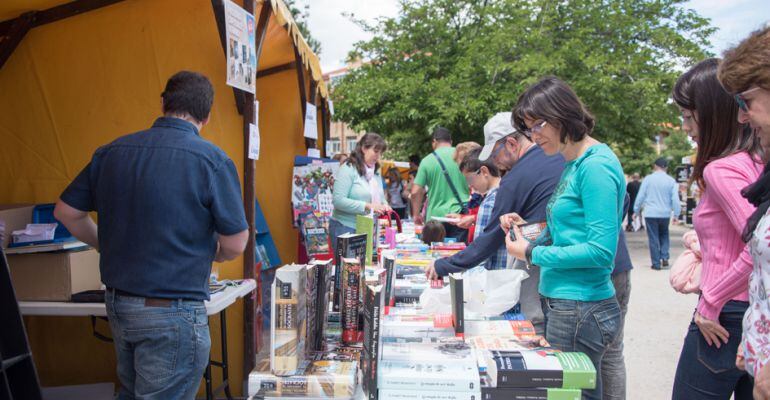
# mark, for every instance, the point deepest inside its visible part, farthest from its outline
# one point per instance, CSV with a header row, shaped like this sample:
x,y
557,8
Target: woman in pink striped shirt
x,y
728,160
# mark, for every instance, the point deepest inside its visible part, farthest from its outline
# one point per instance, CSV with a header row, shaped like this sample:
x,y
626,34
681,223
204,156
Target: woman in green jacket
x,y
358,187
583,215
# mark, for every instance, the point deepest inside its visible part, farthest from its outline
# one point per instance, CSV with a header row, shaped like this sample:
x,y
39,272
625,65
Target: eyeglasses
x,y
742,102
535,129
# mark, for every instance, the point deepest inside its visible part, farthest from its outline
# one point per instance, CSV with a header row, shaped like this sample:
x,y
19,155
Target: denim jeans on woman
x,y
707,373
613,363
584,326
161,351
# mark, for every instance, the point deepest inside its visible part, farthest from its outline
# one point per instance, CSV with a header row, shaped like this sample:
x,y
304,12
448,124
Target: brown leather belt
x,y
148,301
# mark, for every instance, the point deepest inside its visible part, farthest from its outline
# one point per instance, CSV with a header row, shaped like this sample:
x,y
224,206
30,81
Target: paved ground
x,y
656,323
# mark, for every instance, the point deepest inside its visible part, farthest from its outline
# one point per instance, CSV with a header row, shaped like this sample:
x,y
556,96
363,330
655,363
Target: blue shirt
x,y
161,196
658,196
499,259
525,190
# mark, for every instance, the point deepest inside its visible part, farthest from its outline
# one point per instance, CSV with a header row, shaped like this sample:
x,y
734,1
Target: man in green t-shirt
x,y
448,191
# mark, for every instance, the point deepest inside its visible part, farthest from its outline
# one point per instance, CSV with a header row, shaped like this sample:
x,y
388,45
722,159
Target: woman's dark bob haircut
x,y
553,101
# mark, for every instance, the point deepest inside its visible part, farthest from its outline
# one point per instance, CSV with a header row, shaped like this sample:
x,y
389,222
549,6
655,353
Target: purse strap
x,y
449,181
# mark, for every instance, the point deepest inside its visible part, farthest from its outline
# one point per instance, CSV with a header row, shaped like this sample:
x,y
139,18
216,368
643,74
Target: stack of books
x,y
537,374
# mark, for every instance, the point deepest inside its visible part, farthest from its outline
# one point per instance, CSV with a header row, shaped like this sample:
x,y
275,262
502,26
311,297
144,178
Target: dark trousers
x,y
707,373
657,236
401,212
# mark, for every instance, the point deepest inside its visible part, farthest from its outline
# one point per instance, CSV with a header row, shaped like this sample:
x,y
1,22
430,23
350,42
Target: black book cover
x,y
323,274
373,303
513,372
389,264
349,245
458,304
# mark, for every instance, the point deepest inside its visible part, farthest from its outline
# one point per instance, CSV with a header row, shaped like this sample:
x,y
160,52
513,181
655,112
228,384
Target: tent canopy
x,y
80,82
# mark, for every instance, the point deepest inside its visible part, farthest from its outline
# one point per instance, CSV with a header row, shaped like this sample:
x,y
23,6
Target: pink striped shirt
x,y
719,220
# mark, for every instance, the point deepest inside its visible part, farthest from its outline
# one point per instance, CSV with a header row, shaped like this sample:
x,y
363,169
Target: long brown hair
x,y
367,141
719,132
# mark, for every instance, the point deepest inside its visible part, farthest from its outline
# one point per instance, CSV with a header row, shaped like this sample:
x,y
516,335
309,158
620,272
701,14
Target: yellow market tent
x,y
75,75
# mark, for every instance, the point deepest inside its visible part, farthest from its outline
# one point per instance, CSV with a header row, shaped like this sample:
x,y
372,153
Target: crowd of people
x,y
540,163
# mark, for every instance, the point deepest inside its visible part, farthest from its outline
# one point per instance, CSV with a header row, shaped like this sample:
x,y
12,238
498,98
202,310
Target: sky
x,y
734,18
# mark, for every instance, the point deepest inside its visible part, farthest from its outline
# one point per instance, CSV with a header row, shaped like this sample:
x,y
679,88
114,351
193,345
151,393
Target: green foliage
x,y
455,63
300,15
677,147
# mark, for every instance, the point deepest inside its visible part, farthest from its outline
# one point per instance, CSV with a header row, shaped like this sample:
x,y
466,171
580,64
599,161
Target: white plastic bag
x,y
486,293
492,292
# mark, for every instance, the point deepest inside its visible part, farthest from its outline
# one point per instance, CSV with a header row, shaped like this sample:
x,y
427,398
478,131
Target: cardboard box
x,y
54,276
15,217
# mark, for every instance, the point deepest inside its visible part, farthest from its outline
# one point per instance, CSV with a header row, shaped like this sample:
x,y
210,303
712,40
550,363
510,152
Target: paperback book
x,y
351,286
323,379
458,304
498,328
396,394
374,301
287,322
492,393
455,376
540,368
447,351
349,245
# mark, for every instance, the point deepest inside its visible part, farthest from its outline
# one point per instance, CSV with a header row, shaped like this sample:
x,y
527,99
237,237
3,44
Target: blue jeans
x,y
336,229
585,326
162,352
705,372
613,362
657,236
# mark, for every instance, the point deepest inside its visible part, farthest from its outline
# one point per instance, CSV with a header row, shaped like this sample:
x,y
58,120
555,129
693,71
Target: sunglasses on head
x,y
742,102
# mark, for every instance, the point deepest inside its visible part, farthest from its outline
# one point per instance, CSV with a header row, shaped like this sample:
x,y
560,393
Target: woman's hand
x,y
517,248
379,209
762,384
466,221
508,220
740,360
712,331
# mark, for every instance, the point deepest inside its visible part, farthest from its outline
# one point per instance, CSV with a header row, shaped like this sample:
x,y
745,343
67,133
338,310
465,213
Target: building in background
x,y
342,138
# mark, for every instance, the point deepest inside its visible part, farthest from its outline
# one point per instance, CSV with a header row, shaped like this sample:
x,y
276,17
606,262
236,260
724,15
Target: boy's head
x,y
433,232
480,175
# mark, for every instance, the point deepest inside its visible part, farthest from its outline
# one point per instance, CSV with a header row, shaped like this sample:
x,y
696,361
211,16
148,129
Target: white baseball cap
x,y
495,129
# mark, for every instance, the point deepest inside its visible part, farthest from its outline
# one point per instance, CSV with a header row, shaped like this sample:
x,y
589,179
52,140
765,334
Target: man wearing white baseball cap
x,y
525,189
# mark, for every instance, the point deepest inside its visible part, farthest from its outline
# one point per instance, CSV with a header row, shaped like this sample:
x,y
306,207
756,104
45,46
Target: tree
x,y
677,147
301,16
455,63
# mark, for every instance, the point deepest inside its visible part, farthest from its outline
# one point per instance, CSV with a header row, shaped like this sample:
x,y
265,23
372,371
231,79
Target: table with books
x,y
344,329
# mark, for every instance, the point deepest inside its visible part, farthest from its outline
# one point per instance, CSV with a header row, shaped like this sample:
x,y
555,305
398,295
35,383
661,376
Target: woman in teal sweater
x,y
358,187
583,215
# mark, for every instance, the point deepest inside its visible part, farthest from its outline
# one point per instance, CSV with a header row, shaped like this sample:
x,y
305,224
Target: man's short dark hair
x,y
661,162
414,159
471,163
442,134
188,93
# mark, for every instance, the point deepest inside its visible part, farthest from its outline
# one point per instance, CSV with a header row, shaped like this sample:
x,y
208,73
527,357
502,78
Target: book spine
x,y
372,305
351,277
339,251
394,394
416,383
458,306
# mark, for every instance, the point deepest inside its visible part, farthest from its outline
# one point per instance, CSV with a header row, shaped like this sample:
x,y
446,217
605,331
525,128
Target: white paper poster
x,y
241,47
253,142
311,152
331,107
311,126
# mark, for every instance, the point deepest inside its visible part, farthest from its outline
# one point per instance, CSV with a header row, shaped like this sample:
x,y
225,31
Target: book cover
x,y
447,351
492,393
311,308
389,264
458,303
323,277
395,394
322,379
540,368
412,332
373,304
365,224
315,233
349,306
349,245
456,376
498,328
287,323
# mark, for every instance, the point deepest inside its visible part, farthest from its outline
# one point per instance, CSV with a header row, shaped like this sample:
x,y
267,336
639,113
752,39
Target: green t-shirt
x,y
441,200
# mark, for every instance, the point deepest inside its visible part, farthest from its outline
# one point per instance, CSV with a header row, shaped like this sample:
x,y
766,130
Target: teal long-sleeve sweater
x,y
584,218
